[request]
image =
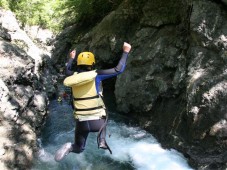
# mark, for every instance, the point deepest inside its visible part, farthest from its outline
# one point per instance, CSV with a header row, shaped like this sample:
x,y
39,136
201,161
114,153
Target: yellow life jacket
x,y
86,99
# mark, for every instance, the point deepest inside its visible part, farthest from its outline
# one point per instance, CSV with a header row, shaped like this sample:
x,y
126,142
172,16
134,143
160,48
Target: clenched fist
x,y
72,54
126,47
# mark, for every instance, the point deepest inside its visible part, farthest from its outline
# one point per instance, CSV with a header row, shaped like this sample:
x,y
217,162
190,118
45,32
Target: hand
x,y
72,54
126,47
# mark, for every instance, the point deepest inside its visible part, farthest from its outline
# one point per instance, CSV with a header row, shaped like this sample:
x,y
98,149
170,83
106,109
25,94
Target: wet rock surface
x,y
23,93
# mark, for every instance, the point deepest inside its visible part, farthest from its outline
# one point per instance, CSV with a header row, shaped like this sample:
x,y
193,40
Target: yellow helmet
x,y
86,58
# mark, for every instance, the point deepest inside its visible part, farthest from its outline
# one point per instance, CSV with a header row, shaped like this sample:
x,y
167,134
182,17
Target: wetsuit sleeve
x,y
68,69
108,73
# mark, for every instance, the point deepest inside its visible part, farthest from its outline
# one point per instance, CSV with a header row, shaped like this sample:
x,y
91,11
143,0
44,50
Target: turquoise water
x,y
133,148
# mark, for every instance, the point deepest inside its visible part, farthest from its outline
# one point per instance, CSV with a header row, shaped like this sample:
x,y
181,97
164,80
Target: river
x,y
132,147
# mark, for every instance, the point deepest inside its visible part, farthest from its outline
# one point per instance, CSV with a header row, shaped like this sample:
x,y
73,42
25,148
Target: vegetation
x,y
57,14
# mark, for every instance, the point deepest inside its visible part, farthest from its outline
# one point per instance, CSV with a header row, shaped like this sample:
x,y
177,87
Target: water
x,y
133,148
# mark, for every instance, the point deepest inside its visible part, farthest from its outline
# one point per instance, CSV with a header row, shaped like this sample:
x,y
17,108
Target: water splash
x,y
133,148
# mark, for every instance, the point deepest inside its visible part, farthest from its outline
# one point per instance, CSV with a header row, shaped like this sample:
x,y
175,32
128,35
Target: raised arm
x,y
107,73
69,71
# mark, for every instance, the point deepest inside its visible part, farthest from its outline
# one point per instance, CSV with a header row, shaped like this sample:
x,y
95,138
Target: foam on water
x,y
143,150
133,148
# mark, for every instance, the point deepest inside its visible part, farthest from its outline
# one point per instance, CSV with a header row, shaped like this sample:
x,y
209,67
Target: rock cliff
x,y
25,85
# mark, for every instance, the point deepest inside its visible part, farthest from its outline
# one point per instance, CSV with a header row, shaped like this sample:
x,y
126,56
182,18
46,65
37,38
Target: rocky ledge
x,y
25,86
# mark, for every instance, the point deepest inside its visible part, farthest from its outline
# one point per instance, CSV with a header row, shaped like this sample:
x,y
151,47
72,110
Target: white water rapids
x,y
133,148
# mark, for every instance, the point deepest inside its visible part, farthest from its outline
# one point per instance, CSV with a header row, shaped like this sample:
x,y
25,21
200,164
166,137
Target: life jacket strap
x,y
86,98
88,109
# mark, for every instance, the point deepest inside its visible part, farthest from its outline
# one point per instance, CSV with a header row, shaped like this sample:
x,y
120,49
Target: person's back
x,y
89,109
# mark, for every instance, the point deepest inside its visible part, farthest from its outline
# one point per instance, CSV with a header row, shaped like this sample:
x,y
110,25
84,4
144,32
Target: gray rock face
x,y
206,81
23,100
225,2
